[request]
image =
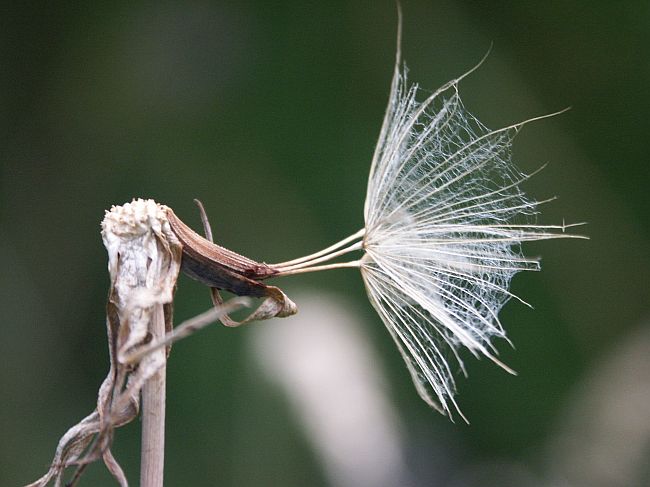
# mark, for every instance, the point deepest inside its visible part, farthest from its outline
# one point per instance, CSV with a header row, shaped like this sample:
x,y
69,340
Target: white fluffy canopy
x,y
445,218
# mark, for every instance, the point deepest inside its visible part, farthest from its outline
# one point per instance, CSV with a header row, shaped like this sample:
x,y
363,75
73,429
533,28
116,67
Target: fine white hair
x,y
445,217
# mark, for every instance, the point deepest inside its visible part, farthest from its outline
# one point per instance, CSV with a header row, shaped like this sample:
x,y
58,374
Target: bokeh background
x,y
269,112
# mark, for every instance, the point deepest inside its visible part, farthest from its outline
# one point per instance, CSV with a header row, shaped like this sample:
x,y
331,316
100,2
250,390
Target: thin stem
x,y
327,250
186,328
354,263
325,258
152,459
207,229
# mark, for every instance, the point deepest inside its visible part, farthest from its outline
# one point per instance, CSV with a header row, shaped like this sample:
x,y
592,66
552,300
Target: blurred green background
x,y
269,114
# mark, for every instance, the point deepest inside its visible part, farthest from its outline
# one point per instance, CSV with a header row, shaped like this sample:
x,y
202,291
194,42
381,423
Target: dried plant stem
x,y
186,329
152,458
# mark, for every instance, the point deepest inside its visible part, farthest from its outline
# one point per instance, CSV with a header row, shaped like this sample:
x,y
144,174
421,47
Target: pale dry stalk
x,y
152,454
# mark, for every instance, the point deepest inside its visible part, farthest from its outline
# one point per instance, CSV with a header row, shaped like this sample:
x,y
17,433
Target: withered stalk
x,y
152,454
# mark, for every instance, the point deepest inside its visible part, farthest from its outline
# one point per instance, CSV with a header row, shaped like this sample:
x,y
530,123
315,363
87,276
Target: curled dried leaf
x,y
223,269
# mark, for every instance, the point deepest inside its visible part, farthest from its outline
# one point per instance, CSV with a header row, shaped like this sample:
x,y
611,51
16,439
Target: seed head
x,y
445,217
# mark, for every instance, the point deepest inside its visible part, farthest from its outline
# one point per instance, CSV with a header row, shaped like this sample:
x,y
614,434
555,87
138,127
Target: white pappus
x,y
444,221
